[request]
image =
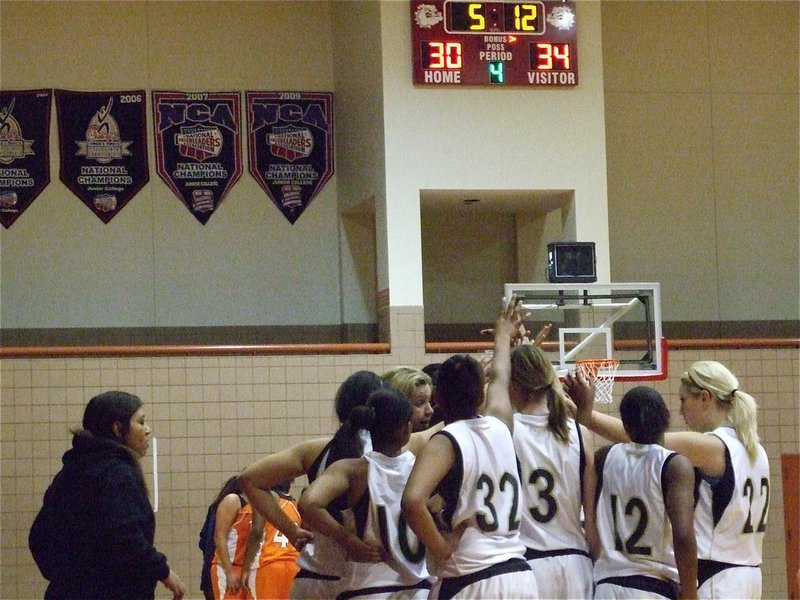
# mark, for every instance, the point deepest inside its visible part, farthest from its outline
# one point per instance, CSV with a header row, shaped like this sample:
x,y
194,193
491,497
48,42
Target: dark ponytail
x,y
386,411
362,417
354,391
352,394
231,486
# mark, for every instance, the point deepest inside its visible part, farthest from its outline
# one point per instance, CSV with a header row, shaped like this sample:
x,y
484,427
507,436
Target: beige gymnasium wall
x,y
214,415
154,265
702,137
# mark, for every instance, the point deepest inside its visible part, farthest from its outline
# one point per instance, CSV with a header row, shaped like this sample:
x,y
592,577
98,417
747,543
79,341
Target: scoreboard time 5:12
x,y
494,43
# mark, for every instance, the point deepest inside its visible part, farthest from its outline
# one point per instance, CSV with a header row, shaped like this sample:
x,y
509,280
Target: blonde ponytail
x,y
534,373
740,406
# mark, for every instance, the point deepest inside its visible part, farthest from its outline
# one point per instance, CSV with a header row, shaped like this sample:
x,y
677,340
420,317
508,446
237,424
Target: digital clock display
x,y
506,17
494,43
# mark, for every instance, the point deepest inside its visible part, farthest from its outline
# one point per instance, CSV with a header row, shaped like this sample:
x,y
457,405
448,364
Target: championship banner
x,y
198,146
290,146
102,137
24,150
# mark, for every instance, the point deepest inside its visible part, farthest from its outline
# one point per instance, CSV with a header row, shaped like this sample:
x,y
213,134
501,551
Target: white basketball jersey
x,y
483,488
324,555
635,531
385,526
552,478
731,516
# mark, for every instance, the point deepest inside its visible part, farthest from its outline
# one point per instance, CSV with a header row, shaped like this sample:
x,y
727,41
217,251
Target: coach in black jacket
x,y
93,537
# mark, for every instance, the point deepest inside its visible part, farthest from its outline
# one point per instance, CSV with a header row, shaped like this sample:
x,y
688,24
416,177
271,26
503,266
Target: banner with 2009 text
x,y
290,146
102,138
198,140
24,150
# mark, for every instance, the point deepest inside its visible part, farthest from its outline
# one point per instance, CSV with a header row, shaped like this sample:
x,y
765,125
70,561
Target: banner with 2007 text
x,y
198,140
102,138
24,150
290,146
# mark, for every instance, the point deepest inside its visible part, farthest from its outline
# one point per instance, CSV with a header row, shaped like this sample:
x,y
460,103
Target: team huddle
x,y
496,492
506,498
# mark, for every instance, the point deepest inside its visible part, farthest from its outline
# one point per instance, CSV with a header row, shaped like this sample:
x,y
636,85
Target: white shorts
x,y
565,576
406,594
635,587
735,582
518,585
314,588
611,591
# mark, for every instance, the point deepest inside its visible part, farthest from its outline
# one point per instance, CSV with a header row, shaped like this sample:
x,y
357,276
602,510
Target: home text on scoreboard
x,y
494,43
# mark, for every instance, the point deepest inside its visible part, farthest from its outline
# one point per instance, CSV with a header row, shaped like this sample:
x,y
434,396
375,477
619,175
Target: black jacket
x,y
93,537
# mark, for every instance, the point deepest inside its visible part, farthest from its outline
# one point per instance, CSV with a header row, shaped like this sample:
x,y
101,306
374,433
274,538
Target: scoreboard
x,y
494,43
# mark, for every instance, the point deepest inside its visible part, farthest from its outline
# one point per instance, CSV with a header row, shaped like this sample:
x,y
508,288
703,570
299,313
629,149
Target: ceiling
x,y
507,202
497,201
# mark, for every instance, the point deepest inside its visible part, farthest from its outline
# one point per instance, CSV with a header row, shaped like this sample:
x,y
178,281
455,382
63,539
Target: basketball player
x,y
645,509
277,558
734,484
238,533
417,386
558,479
372,486
322,562
471,463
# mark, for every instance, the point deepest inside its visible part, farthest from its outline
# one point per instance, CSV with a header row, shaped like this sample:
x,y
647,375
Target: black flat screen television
x,y
571,262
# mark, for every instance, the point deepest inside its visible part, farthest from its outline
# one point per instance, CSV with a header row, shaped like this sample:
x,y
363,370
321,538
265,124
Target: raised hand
x,y
523,335
581,392
542,335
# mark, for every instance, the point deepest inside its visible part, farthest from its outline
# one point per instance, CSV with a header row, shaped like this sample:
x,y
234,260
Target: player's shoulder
x,y
679,467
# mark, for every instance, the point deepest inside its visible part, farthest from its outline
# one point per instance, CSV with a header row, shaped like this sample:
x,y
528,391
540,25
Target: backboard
x,y
598,320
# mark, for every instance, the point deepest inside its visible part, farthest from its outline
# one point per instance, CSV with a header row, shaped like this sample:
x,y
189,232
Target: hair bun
x,y
362,417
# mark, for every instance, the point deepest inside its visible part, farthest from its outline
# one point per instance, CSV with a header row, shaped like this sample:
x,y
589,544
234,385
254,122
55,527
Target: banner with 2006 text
x,y
24,150
102,138
198,146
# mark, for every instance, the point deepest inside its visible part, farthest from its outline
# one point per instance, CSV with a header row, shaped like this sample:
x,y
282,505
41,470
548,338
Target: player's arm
x,y
435,460
506,327
581,392
420,438
253,544
342,478
679,500
258,479
599,464
706,452
227,510
589,490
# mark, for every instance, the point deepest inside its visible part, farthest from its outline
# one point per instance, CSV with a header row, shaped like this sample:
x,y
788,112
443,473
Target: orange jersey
x,y
277,564
237,536
237,548
276,546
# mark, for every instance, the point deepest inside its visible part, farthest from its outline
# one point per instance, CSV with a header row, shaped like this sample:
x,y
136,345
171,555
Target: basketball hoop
x,y
602,372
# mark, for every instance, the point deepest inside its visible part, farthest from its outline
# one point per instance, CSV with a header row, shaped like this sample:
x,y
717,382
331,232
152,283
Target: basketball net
x,y
602,372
